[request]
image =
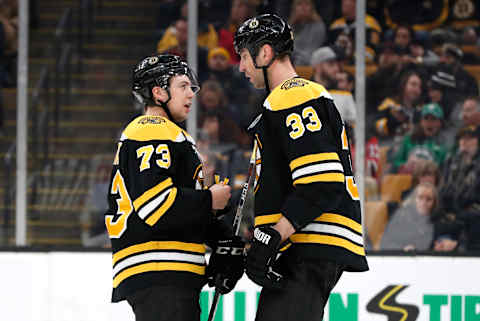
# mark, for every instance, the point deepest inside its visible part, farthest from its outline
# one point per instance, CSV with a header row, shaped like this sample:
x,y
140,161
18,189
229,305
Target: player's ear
x,y
159,94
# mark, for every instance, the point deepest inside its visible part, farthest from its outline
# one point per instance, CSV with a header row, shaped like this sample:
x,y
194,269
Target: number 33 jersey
x,y
158,211
303,172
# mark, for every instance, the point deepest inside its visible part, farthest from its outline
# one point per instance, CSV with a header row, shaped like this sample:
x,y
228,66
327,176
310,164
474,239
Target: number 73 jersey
x,y
303,172
158,212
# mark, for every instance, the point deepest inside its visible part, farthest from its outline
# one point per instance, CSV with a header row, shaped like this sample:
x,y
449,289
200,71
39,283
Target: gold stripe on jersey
x,y
163,208
341,220
294,92
321,178
158,245
327,240
199,167
267,219
151,193
158,266
145,128
312,158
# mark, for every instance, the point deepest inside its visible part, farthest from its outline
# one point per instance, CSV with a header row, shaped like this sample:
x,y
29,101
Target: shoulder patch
x,y
294,92
145,128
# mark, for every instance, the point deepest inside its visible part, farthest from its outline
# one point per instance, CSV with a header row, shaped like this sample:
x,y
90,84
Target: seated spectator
x,y
234,84
174,41
458,222
395,115
451,62
346,26
411,226
214,107
423,142
309,30
402,37
240,11
381,83
471,111
325,70
424,171
328,9
345,81
442,90
325,67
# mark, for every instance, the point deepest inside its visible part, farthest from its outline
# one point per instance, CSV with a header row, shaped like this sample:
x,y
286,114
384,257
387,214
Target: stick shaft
x,y
213,307
243,196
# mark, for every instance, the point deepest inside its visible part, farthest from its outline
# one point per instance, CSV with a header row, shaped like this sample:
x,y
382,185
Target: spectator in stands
x,y
471,111
214,107
423,142
308,28
345,25
240,11
402,37
345,81
385,78
325,69
459,218
411,226
425,171
450,61
395,115
442,90
328,9
234,85
174,41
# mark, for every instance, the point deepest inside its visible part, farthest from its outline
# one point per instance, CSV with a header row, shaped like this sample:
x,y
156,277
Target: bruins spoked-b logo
x,y
386,303
253,23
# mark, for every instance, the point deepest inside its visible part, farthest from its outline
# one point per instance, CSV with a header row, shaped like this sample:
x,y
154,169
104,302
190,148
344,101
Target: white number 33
x,y
295,121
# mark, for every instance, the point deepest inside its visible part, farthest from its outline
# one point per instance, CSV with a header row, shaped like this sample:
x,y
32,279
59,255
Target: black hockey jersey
x,y
303,172
158,211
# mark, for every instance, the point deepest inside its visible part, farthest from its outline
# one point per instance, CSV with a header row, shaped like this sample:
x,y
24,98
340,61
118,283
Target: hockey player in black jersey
x,y
160,216
307,214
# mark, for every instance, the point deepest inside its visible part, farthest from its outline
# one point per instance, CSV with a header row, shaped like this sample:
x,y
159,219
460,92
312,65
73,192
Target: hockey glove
x,y
226,264
262,255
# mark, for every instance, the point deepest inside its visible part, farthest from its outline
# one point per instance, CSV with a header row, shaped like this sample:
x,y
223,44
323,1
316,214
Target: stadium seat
x,y
393,185
376,218
382,162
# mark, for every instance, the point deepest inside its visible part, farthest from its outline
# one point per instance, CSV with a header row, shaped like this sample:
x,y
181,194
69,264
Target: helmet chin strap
x,y
165,106
264,70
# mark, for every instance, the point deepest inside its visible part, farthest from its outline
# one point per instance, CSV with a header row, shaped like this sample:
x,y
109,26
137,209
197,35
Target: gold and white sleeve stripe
x,y
321,167
152,204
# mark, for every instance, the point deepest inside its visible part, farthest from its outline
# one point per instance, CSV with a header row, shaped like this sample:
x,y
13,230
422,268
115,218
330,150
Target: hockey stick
x,y
237,221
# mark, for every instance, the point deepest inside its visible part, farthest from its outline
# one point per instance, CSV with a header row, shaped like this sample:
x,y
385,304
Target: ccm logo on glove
x,y
225,250
261,236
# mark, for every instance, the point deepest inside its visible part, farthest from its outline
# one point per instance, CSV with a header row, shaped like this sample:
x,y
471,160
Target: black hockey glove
x,y
262,255
226,265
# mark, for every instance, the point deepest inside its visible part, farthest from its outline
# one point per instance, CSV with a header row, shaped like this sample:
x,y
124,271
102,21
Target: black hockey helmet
x,y
264,29
157,71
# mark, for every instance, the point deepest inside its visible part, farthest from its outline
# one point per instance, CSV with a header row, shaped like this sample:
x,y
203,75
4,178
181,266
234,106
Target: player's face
x,y
181,97
246,66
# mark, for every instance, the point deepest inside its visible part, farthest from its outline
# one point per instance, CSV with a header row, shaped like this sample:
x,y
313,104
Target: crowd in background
x,y
422,103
